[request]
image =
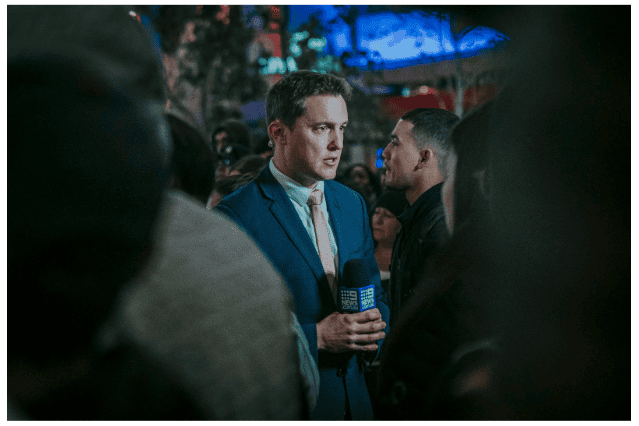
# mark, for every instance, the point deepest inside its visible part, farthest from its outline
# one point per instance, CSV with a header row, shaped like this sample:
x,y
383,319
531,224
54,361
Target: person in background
x,y
385,225
230,133
414,164
309,226
264,148
359,178
252,164
242,172
193,163
227,186
230,155
441,353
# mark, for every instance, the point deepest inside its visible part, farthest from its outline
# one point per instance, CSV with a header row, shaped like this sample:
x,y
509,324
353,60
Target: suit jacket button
x,y
341,372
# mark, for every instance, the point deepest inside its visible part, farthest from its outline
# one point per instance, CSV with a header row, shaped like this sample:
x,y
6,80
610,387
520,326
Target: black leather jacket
x,y
422,233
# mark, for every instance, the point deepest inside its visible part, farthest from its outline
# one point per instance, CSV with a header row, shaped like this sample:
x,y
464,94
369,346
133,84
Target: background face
x,y
314,144
401,157
385,225
221,140
359,176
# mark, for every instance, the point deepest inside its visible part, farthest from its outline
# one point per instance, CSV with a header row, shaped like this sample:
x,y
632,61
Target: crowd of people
x,y
171,276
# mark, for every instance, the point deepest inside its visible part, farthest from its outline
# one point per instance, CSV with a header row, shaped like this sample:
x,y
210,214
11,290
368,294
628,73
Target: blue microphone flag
x,y
357,299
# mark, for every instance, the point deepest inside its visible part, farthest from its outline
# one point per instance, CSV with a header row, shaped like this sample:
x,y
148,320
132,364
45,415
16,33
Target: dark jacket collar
x,y
427,201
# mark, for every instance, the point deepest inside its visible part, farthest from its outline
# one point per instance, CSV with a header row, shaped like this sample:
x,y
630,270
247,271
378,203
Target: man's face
x,y
313,147
401,158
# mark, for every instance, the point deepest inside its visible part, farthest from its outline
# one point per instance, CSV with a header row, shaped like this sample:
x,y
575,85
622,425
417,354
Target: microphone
x,y
357,293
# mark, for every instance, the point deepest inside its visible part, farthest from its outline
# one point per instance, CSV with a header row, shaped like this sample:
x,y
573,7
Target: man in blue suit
x,y
306,115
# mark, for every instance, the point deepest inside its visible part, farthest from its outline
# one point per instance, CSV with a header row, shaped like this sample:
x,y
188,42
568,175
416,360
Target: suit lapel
x,y
284,212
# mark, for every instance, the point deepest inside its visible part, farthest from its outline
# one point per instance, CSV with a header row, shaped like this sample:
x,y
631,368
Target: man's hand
x,y
350,332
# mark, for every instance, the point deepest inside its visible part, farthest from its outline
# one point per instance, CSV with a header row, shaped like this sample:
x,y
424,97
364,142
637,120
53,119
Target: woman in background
x,y
385,225
358,177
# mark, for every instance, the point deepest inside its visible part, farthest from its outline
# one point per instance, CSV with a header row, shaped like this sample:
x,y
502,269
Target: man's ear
x,y
277,132
425,155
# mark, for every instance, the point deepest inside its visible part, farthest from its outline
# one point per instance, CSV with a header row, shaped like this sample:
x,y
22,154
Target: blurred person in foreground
x,y
439,357
193,162
101,174
560,192
89,75
215,310
309,226
100,29
414,164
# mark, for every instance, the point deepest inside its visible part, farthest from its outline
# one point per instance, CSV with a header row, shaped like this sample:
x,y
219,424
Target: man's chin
x,y
329,174
395,186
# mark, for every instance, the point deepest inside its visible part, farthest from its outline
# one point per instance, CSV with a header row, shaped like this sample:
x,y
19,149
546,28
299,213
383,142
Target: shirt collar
x,y
295,191
427,200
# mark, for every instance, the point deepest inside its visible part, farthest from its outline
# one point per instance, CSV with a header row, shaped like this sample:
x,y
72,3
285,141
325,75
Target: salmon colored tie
x,y
323,241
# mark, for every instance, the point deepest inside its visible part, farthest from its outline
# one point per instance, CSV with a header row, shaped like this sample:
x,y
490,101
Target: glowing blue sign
x,y
396,40
391,40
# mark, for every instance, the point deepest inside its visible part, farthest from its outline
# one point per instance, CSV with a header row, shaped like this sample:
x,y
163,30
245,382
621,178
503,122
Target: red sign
x,y
393,107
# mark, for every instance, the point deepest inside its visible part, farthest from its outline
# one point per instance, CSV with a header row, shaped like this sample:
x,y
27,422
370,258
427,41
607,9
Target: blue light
x,y
379,163
295,50
297,37
317,44
390,40
274,65
292,65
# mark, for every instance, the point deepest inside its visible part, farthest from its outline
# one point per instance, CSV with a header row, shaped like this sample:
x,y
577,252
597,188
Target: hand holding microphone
x,y
360,325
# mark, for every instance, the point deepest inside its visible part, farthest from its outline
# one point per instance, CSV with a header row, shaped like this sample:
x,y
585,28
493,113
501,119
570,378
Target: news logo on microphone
x,y
357,299
357,294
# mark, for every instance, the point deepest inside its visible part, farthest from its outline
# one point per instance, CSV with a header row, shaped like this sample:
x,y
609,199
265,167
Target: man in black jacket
x,y
414,164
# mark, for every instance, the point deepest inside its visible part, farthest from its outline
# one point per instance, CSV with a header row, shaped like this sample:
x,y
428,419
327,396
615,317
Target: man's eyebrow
x,y
394,137
329,123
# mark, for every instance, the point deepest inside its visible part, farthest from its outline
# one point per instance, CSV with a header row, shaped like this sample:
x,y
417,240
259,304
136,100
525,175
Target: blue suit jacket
x,y
264,210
